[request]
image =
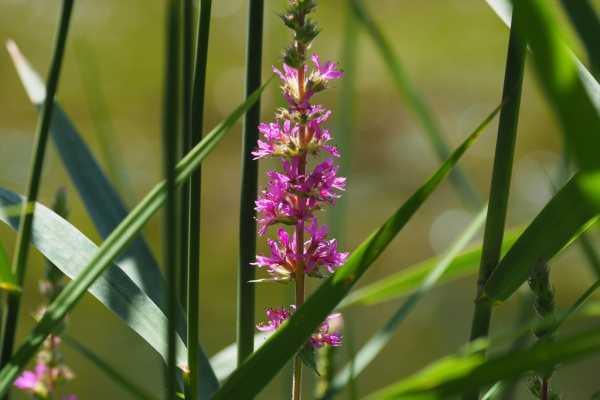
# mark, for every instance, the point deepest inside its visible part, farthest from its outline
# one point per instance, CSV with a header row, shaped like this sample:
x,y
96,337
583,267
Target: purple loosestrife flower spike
x,y
291,198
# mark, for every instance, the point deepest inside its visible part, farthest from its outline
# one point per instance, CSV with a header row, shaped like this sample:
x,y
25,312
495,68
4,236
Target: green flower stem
x,y
247,234
500,186
9,323
169,134
195,191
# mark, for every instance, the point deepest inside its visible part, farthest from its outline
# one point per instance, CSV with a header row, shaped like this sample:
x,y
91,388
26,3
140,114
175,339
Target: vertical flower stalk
x,y
292,198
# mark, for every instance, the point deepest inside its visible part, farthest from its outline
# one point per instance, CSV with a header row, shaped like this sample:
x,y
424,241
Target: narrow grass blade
x,y
101,118
252,376
7,279
249,187
195,188
111,247
403,282
378,341
500,184
452,375
417,105
225,361
70,250
13,300
565,216
586,23
133,388
101,199
170,136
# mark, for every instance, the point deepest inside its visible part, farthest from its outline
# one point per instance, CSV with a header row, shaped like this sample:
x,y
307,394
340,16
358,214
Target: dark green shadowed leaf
x,y
452,375
7,279
417,104
132,387
70,250
403,282
109,250
307,355
102,201
586,22
565,216
254,374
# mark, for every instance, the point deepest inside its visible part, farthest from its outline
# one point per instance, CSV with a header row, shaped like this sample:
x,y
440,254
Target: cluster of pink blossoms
x,y
276,318
291,198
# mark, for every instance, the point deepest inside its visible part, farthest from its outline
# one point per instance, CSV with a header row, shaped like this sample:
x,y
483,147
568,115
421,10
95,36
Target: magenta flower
x,y
276,318
71,397
323,335
29,379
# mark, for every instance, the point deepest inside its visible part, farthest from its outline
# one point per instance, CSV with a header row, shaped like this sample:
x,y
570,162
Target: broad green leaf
x,y
570,88
132,387
7,279
114,245
225,361
380,339
453,375
254,374
101,199
401,283
565,216
417,104
70,250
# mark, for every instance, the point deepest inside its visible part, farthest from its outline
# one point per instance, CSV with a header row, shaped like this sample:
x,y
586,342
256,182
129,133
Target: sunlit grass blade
x,y
586,23
133,388
7,279
252,376
69,250
34,177
417,105
101,199
225,361
111,247
401,283
566,92
249,187
571,89
565,216
452,375
378,341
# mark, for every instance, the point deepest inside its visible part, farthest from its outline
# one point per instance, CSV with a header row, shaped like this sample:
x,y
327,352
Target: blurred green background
x,y
455,51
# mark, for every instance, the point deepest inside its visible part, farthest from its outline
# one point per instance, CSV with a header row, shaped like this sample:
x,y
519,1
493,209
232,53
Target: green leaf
x,y
417,104
101,199
112,246
401,283
570,88
70,250
132,387
453,375
307,356
7,279
584,19
254,374
565,216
